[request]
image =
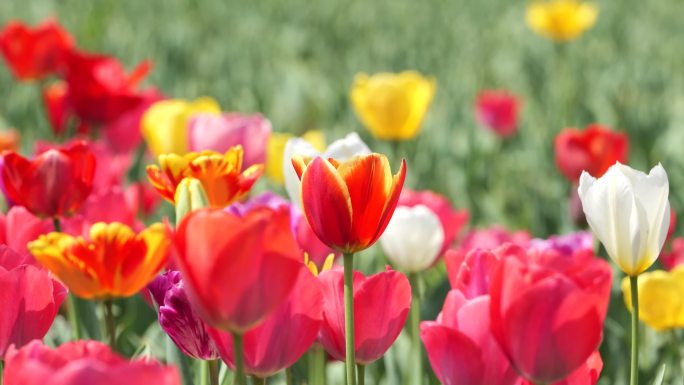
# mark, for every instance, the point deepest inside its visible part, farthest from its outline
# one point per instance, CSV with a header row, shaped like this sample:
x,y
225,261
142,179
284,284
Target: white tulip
x,y
413,238
629,212
341,149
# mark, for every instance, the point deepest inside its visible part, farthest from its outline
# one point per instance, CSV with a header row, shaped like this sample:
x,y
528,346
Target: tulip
x,y
267,349
392,106
221,175
471,271
547,310
220,133
675,256
30,300
566,244
123,134
106,205
498,111
493,237
277,159
165,124
460,346
113,261
662,298
55,183
34,53
452,220
381,305
81,363
413,238
342,149
57,107
587,374
561,20
18,227
190,196
178,319
593,150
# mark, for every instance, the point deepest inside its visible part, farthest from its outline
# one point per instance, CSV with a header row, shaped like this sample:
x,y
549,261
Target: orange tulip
x,y
221,175
113,262
349,204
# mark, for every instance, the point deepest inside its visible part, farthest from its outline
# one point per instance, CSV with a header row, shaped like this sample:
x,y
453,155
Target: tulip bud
x,y
190,196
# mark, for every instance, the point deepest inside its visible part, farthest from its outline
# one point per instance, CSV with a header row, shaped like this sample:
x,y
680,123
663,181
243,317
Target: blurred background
x,y
294,61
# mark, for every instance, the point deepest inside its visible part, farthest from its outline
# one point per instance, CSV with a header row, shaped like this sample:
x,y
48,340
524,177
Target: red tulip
x,y
55,183
35,53
18,227
349,204
82,363
493,237
498,111
461,347
452,220
267,349
237,278
675,255
99,89
593,150
30,299
587,374
381,304
471,272
547,310
57,106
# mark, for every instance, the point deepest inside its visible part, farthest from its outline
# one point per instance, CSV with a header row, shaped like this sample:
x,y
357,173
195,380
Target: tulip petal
x,y
455,358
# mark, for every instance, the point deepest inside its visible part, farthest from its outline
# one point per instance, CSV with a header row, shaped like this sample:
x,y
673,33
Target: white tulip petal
x,y
295,146
347,148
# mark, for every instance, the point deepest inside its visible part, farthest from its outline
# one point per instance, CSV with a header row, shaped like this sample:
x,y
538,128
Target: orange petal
x,y
391,204
327,204
160,183
299,163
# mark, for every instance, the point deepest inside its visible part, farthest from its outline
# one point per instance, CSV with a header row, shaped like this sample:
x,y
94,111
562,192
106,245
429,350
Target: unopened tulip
x,y
165,124
82,363
392,106
33,53
113,261
267,350
498,112
349,204
221,132
30,299
381,304
593,150
237,278
55,183
547,310
178,319
661,297
342,150
221,175
413,238
629,212
561,20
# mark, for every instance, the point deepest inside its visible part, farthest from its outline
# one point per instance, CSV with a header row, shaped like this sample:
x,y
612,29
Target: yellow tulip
x,y
661,298
392,106
165,124
561,20
276,148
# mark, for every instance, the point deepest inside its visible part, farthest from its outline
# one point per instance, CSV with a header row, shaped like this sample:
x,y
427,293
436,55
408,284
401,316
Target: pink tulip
x,y
30,299
498,111
284,336
18,227
453,221
461,347
220,133
381,304
82,363
587,374
493,237
104,205
471,272
123,134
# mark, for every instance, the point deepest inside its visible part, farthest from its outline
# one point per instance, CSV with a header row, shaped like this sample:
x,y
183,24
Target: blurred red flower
x,y
593,150
498,111
267,349
82,363
381,304
237,278
33,53
55,183
19,227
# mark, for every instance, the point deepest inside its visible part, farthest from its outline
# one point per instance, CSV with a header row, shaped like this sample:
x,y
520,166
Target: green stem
x,y
258,381
416,352
110,323
289,378
318,365
349,317
239,360
362,373
213,371
634,372
57,224
2,366
74,319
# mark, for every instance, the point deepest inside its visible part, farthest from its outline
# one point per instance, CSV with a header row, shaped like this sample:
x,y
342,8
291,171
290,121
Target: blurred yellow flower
x,y
561,20
392,106
165,124
276,148
661,298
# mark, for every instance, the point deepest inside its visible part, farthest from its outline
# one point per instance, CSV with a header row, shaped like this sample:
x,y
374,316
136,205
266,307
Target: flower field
x,y
386,192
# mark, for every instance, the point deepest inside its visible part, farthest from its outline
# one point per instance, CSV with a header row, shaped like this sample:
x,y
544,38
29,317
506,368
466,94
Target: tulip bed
x,y
386,192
